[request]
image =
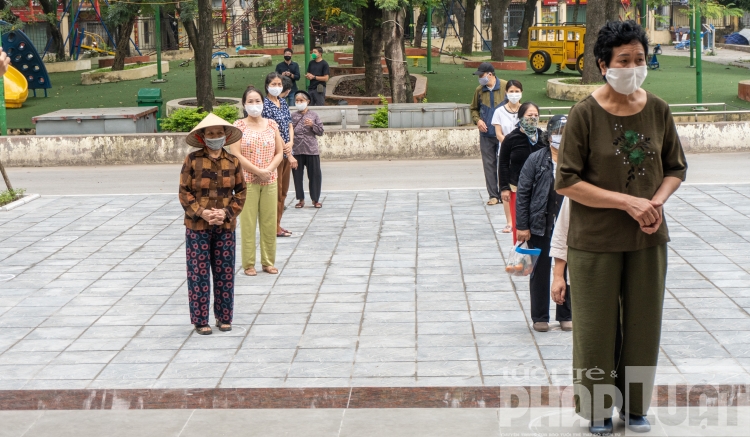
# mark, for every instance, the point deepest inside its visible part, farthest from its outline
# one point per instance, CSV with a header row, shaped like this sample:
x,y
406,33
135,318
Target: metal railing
x,y
563,110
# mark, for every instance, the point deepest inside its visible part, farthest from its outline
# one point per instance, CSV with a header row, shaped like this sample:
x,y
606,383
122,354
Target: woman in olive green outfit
x,y
260,151
620,160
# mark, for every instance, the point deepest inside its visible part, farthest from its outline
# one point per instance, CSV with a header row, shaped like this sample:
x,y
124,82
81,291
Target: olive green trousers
x,y
259,212
617,300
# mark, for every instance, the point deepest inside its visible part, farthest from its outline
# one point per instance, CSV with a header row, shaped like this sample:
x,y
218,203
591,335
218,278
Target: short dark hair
x,y
271,76
288,50
616,34
250,89
525,107
318,48
514,83
286,83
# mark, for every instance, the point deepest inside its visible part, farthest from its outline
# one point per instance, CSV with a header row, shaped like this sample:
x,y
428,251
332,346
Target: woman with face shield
x,y
537,208
619,162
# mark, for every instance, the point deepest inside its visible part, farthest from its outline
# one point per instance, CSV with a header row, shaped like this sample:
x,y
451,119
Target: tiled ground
x,y
377,288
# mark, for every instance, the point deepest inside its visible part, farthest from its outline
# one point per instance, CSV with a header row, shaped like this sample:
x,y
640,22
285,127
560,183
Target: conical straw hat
x,y
195,140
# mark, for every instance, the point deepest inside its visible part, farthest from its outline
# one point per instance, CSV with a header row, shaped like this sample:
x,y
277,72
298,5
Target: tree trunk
x,y
597,15
575,11
358,57
203,88
123,43
458,16
395,58
498,8
167,36
258,25
529,10
467,42
5,177
57,47
372,40
421,18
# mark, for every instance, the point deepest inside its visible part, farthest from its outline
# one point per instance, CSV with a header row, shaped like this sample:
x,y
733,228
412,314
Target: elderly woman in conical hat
x,y
212,193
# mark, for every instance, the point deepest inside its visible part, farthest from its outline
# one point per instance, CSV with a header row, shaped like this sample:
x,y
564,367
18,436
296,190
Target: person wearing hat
x,y
212,193
260,151
489,95
308,128
537,208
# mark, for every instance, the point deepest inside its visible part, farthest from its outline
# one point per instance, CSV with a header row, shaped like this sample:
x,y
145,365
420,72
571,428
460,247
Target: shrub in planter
x,y
380,117
184,120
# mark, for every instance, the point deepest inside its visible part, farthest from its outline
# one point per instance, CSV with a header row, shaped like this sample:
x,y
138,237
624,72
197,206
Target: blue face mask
x,y
484,81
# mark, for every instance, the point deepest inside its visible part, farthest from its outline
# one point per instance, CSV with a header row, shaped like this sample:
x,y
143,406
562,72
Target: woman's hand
x,y
558,290
643,211
655,226
523,236
292,162
263,174
219,215
505,195
288,148
307,122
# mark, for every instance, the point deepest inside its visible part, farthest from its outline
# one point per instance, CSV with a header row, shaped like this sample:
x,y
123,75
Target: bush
x,y
8,196
380,118
185,119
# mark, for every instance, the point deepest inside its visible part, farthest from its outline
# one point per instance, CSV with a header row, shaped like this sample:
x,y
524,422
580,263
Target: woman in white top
x,y
505,120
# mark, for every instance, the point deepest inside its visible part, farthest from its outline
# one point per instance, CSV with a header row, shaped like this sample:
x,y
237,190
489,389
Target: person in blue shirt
x,y
289,69
489,95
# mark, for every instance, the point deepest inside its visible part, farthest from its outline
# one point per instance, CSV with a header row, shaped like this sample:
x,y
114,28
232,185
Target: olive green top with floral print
x,y
630,155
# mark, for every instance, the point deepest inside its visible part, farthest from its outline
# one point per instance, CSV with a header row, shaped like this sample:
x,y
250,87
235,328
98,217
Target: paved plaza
x,y
378,288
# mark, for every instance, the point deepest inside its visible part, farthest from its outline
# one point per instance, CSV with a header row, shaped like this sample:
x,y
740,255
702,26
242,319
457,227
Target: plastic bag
x,y
522,260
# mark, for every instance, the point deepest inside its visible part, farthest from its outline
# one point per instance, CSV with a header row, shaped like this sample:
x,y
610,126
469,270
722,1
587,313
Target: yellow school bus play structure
x,y
560,45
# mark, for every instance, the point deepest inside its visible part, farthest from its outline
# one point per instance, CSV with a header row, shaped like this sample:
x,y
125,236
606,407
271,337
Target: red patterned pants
x,y
210,252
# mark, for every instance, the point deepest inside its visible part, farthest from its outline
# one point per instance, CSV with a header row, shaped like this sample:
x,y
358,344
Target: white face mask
x,y
275,91
555,141
514,97
215,143
626,80
254,110
301,106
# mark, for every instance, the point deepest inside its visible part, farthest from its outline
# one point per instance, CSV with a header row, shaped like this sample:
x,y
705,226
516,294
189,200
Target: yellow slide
x,y
16,88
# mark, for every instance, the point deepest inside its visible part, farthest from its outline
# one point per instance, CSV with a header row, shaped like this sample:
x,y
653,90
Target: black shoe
x,y
601,427
636,423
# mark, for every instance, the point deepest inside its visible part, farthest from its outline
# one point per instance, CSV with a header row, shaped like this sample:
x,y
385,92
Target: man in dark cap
x,y
489,95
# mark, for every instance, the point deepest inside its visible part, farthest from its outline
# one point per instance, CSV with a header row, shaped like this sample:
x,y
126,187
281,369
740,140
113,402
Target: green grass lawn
x,y
453,83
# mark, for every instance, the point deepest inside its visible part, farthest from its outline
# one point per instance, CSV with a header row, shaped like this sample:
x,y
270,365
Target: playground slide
x,y
16,88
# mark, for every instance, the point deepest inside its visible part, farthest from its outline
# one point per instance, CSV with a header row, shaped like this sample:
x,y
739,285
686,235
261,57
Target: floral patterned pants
x,y
210,251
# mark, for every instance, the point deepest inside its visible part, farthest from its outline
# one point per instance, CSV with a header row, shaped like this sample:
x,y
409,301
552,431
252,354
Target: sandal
x,y
271,269
283,233
203,329
300,204
284,230
317,204
507,229
223,327
250,271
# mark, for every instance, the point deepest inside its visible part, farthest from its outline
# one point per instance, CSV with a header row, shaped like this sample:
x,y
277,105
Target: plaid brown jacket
x,y
207,183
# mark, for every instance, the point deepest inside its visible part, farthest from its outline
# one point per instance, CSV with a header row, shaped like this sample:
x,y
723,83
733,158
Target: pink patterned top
x,y
259,147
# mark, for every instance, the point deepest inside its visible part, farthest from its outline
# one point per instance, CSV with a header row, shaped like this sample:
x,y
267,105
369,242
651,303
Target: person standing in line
x,y
517,146
275,108
290,69
487,97
318,72
212,193
537,208
504,120
308,128
260,151
620,161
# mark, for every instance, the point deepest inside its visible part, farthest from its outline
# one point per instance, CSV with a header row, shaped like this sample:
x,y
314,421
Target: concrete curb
x,y
20,202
